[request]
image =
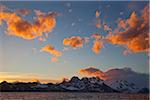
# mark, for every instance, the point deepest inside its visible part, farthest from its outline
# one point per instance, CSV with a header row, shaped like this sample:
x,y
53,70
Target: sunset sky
x,y
52,40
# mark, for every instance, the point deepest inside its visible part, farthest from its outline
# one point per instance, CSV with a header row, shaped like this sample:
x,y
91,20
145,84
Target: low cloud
x,y
114,74
26,77
92,71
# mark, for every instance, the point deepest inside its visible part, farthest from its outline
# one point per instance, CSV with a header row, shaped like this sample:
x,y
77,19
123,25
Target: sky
x,y
53,40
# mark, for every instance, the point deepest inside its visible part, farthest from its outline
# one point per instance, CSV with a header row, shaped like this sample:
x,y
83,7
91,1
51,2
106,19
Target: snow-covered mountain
x,y
85,84
126,80
121,79
95,84
123,86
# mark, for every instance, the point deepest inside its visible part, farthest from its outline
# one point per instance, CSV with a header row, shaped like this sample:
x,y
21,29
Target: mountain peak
x,y
74,79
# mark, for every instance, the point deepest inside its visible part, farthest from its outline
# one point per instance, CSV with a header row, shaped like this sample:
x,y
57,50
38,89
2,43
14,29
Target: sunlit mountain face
x,y
50,41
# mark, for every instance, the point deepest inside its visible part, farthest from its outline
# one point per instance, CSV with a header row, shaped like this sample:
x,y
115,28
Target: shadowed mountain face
x,y
92,84
85,84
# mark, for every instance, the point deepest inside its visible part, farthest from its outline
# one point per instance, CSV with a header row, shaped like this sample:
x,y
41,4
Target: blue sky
x,y
24,56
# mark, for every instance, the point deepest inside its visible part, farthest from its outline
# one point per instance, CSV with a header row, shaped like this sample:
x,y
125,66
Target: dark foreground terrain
x,y
70,96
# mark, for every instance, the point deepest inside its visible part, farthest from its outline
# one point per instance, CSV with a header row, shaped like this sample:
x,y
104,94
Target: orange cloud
x,y
93,71
98,23
23,11
26,77
17,26
96,36
54,59
86,39
97,45
126,52
98,20
97,14
136,37
2,8
114,74
122,24
133,20
50,49
107,28
41,39
74,41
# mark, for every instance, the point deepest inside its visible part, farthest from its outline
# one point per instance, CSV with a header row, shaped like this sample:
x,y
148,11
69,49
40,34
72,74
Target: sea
x,y
70,96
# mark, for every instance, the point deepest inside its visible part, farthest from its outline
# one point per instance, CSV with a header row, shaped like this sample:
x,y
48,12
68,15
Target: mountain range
x,y
85,84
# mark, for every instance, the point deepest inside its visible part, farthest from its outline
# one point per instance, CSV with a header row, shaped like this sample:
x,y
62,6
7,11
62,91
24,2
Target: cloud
x,y
115,74
42,39
98,20
121,13
97,13
128,74
96,36
126,52
136,36
131,4
92,71
74,41
122,24
19,27
97,45
86,39
107,28
25,77
23,11
54,59
98,23
50,49
2,8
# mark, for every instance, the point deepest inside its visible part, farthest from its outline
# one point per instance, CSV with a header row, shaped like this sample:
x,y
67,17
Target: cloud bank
x,y
115,74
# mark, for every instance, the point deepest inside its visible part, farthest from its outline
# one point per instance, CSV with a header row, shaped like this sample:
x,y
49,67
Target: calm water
x,y
71,96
